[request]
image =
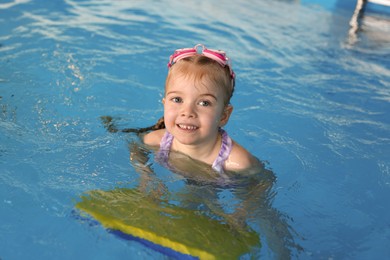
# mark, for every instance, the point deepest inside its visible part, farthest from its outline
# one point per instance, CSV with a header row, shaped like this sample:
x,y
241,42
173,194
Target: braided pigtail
x,y
159,125
110,126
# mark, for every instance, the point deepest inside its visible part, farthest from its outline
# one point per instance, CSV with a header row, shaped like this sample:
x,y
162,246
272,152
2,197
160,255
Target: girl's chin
x,y
185,138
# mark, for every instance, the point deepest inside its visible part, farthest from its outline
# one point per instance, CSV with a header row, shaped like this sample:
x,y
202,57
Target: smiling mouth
x,y
187,127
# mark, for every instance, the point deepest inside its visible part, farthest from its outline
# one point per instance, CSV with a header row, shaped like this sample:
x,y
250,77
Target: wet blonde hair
x,y
199,68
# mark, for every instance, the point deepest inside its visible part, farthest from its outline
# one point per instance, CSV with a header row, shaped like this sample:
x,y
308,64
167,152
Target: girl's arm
x,y
153,138
148,182
241,160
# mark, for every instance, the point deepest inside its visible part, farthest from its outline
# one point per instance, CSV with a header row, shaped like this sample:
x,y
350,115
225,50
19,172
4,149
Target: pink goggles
x,y
217,55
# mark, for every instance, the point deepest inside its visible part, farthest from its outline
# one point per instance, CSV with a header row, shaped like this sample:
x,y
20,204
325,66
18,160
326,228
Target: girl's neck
x,y
205,153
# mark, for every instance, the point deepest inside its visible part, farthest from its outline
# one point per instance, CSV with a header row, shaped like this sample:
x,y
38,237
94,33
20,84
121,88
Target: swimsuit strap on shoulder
x,y
224,152
165,146
166,141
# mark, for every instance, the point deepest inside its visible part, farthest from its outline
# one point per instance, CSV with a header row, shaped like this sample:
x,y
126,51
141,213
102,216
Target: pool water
x,y
309,103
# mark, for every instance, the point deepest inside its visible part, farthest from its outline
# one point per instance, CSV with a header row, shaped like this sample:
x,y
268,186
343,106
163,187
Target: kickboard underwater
x,y
166,225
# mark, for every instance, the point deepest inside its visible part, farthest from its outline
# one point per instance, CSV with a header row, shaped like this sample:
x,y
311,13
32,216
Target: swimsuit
x,y
224,152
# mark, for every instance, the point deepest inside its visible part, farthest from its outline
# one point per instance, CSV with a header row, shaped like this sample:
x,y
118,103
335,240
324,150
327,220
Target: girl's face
x,y
194,110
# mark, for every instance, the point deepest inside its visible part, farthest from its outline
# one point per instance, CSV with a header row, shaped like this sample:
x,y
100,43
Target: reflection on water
x,y
369,29
241,200
238,199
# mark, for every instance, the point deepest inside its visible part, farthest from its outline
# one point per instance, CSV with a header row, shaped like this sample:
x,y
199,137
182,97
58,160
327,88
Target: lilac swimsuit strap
x,y
224,152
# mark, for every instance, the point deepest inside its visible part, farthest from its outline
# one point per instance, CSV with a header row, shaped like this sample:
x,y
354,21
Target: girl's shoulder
x,y
153,138
240,159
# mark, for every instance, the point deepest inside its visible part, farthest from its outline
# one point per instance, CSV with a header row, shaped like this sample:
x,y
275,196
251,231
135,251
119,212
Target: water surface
x,y
309,103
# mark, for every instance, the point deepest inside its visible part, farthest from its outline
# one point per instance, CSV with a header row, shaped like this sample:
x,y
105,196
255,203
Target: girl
x,y
189,139
198,89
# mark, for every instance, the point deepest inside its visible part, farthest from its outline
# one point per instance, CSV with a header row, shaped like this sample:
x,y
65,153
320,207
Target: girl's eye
x,y
176,99
205,103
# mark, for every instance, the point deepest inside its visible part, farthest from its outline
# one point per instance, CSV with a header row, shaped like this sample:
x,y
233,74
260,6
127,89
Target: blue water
x,y
310,103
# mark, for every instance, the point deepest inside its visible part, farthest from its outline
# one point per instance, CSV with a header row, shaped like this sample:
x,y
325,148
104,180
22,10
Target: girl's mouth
x,y
187,127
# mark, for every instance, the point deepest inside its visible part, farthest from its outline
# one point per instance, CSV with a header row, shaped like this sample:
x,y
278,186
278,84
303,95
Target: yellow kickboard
x,y
182,230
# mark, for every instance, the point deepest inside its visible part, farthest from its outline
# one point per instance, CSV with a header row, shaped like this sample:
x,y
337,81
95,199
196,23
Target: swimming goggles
x,y
217,55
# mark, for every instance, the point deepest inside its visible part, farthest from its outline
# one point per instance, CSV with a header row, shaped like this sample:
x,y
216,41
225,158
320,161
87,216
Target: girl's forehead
x,y
200,83
192,77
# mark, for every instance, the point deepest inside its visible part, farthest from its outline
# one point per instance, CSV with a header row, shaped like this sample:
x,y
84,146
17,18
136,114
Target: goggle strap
x,y
217,55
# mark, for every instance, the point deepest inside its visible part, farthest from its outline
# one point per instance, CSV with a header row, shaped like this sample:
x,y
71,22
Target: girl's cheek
x,y
169,113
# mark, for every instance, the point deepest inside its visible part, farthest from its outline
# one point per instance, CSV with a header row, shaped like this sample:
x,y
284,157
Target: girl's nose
x,y
188,110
